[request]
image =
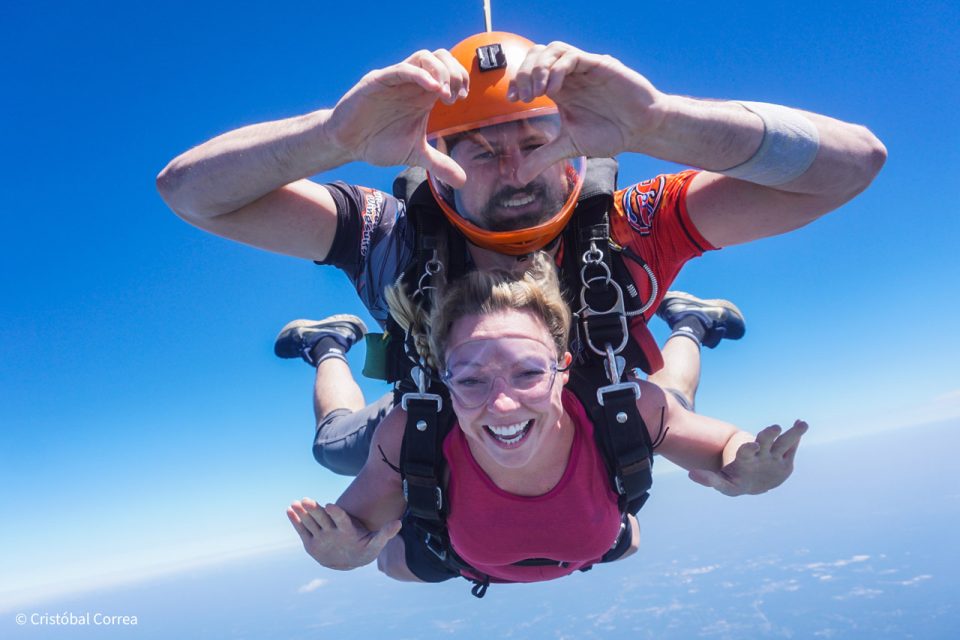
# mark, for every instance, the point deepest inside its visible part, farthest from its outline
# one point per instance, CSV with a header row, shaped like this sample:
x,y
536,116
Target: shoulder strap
x,y
621,435
605,345
421,454
429,420
422,208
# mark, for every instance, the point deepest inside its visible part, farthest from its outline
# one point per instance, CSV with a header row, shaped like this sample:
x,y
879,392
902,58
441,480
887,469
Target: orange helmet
x,y
489,137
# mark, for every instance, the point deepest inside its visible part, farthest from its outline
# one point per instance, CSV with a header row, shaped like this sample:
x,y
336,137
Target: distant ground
x,y
861,543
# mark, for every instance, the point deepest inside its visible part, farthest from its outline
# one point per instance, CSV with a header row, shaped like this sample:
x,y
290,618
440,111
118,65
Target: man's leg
x,y
694,323
334,388
345,424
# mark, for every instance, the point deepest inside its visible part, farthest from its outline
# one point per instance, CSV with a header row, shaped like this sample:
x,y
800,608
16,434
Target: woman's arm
x,y
375,496
353,532
392,561
718,454
756,466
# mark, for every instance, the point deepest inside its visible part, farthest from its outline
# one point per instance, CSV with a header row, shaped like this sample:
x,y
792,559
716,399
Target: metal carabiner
x,y
419,375
431,267
607,277
610,364
593,255
617,307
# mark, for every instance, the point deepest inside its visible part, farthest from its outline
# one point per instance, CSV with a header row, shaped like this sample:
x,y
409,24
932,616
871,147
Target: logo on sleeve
x,y
640,203
372,207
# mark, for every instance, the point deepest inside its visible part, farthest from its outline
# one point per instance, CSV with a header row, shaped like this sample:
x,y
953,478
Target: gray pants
x,y
343,437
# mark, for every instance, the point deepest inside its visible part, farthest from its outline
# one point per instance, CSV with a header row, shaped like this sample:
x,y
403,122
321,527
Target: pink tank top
x,y
576,522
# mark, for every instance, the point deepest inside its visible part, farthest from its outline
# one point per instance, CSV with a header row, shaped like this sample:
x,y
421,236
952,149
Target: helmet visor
x,y
493,198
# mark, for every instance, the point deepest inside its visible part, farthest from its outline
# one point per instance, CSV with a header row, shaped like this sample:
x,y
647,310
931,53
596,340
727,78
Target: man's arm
x,y
250,184
728,210
608,108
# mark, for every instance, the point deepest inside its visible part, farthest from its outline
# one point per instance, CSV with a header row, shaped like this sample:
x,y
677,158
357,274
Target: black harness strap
x,y
631,448
620,432
421,456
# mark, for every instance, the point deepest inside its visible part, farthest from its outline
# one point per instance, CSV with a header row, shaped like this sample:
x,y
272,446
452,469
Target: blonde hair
x,y
536,290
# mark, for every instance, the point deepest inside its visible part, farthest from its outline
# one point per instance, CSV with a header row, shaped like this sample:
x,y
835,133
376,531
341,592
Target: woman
x,y
524,476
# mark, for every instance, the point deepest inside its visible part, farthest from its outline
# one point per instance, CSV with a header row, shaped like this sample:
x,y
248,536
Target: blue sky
x,y
146,422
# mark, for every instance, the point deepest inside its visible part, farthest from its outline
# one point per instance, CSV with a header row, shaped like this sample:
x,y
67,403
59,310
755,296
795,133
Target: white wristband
x,y
789,146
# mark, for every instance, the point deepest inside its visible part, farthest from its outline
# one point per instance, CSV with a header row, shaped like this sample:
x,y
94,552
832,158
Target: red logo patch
x,y
640,203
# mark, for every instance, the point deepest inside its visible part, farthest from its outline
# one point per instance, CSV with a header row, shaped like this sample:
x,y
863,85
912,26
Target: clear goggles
x,y
493,199
526,369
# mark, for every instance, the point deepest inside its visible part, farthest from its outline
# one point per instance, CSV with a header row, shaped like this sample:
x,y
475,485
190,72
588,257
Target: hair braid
x,y
413,319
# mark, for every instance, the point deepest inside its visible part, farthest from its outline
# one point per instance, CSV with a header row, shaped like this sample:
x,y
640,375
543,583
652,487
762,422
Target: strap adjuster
x,y
428,397
435,546
613,388
437,492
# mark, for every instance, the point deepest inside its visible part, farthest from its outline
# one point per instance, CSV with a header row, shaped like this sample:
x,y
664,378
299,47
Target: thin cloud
x,y
860,592
313,585
700,570
949,397
837,563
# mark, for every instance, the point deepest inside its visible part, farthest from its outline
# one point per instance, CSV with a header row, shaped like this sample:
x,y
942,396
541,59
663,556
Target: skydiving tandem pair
x,y
503,129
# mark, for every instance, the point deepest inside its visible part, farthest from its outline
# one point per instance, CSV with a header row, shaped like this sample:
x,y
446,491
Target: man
x,y
502,128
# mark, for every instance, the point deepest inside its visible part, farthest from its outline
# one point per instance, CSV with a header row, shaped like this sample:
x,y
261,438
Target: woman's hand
x,y
759,466
335,539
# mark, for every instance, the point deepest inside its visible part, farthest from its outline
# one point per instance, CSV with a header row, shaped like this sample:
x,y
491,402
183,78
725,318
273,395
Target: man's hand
x,y
604,105
759,466
383,118
336,540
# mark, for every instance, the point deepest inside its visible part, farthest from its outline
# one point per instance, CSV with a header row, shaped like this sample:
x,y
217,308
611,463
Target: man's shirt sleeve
x,y
651,219
373,243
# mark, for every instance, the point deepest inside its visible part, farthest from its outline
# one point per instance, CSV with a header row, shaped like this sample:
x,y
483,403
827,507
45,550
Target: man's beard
x,y
496,217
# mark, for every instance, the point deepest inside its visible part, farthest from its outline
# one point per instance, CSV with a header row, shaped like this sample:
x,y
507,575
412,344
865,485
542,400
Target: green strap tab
x,y
375,365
